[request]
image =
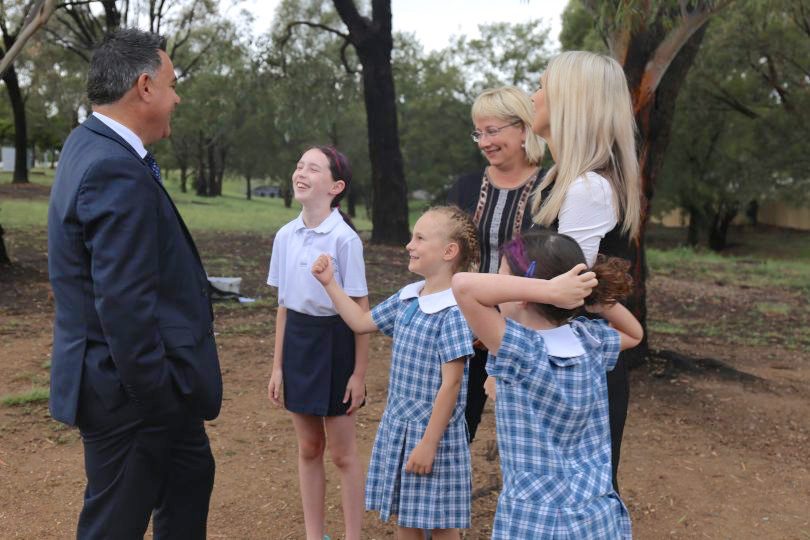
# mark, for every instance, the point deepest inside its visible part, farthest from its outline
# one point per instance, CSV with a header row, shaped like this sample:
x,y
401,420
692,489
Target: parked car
x,y
267,191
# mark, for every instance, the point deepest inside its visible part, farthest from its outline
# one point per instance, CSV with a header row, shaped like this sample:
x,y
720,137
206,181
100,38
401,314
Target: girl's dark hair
x,y
554,254
341,169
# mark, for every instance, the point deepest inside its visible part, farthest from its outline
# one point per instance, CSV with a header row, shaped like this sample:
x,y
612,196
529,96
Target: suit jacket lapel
x,y
100,128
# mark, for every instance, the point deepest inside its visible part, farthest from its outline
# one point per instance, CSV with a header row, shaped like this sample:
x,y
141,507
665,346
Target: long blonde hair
x,y
511,104
592,129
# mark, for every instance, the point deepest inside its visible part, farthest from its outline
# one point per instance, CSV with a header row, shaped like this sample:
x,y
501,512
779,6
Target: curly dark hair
x,y
554,254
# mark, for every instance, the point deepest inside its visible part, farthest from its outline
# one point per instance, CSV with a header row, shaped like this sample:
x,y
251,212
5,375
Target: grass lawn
x,y
230,212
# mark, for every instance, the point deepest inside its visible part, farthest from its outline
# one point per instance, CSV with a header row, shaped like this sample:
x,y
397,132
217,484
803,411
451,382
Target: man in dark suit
x,y
134,362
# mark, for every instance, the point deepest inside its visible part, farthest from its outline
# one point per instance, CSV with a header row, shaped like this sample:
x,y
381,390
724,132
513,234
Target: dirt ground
x,y
705,455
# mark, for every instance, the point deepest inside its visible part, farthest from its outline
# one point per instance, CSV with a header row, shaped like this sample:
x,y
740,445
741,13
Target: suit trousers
x,y
137,468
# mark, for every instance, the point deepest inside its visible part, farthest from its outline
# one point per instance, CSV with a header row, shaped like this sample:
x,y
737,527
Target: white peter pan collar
x,y
566,341
430,303
562,342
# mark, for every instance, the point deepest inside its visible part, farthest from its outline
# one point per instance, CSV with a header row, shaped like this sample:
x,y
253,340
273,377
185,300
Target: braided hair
x,y
463,232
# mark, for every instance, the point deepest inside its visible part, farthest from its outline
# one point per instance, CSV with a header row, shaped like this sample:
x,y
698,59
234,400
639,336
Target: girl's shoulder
x,y
289,227
344,233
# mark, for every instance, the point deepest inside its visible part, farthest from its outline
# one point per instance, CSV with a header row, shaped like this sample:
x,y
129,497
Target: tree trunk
x,y
286,192
183,177
212,170
4,259
718,232
654,119
693,233
201,181
373,42
247,181
20,129
351,201
222,154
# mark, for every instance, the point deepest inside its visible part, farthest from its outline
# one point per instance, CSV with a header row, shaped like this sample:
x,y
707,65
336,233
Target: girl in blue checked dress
x,y
550,372
420,463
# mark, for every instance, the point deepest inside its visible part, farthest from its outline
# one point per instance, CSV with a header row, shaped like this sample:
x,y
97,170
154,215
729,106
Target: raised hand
x,y
322,269
571,289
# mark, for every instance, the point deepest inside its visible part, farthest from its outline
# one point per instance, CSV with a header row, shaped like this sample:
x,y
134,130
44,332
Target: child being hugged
x,y
320,361
420,463
550,372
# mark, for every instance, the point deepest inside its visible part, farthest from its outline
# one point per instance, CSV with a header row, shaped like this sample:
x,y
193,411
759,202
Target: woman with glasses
x,y
498,196
583,112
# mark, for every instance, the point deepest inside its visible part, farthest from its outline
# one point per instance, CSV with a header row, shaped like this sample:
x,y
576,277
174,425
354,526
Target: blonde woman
x,y
583,111
498,197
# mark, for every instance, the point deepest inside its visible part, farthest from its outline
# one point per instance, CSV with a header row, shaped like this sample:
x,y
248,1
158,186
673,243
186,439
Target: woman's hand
x,y
355,393
274,388
569,290
421,459
322,269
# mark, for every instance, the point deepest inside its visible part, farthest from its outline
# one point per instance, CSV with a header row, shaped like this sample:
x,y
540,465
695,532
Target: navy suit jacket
x,y
133,316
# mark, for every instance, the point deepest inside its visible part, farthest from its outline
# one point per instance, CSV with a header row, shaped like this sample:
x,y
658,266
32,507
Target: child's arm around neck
x,y
620,319
478,294
358,318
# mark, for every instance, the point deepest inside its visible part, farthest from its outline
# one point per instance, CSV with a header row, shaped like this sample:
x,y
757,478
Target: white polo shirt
x,y
296,247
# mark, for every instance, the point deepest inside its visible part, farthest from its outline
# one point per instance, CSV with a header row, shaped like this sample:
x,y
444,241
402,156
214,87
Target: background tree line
x,y
721,113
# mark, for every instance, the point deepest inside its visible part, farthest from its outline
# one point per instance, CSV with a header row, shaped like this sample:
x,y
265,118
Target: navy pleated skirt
x,y
318,359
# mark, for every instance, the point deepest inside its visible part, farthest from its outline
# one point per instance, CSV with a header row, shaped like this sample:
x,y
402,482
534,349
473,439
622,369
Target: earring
x,y
523,145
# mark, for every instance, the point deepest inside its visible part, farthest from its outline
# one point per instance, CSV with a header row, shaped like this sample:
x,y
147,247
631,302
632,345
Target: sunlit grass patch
x,y
35,395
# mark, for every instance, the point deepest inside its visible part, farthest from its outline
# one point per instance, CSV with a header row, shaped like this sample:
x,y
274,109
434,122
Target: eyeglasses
x,y
491,132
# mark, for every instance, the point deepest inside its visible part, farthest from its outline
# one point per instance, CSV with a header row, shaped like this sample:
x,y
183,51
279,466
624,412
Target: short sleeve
x,y
587,213
455,337
276,264
385,313
522,351
609,339
352,267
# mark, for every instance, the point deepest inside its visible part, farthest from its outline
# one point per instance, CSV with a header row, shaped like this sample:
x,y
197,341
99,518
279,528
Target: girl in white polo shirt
x,y
318,361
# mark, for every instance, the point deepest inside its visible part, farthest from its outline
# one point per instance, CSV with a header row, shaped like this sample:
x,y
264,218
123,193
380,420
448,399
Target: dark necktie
x,y
153,166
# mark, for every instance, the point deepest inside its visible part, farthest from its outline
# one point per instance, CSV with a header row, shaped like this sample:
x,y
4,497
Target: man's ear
x,y
337,187
451,250
143,85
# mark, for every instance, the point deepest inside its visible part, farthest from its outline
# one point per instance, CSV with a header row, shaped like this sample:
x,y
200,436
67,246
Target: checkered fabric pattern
x,y
554,437
440,499
153,166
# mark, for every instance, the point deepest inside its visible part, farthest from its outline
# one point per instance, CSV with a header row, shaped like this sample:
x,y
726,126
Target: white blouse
x,y
587,213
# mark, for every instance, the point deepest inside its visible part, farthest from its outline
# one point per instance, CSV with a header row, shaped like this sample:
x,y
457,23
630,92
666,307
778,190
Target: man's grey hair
x,y
118,62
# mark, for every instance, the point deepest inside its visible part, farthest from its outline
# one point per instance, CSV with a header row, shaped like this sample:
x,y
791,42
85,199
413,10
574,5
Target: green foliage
x,y
579,30
741,129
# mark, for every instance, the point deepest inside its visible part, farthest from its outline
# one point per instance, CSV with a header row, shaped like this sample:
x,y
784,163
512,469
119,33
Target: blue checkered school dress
x,y
554,436
422,342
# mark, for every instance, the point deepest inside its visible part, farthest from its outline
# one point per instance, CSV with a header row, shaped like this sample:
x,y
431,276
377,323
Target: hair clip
x,y
530,269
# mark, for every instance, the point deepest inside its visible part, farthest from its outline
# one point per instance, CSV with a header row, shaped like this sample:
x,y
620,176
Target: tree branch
x,y
42,12
668,49
288,35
